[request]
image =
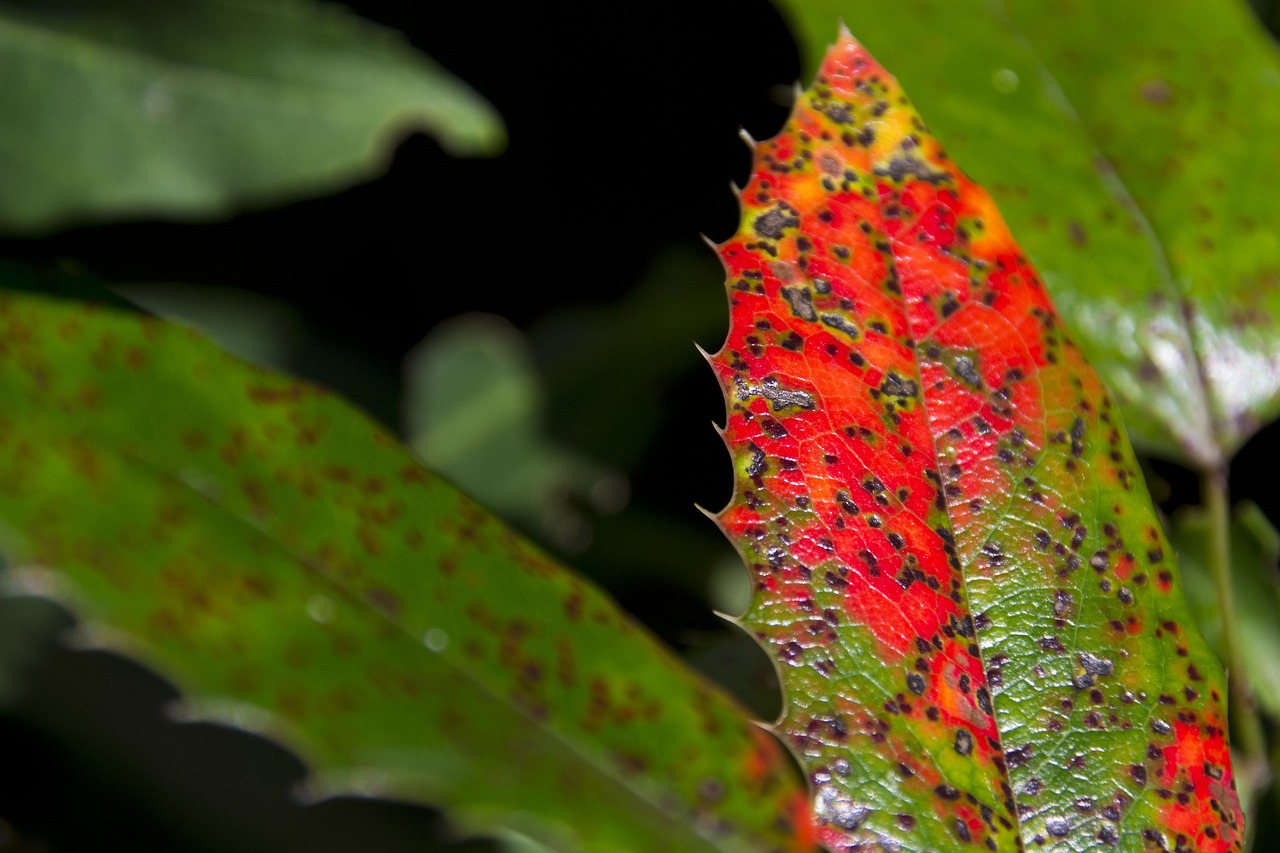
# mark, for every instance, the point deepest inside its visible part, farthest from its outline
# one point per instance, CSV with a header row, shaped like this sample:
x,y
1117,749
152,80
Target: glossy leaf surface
x,y
290,565
199,107
1124,144
956,563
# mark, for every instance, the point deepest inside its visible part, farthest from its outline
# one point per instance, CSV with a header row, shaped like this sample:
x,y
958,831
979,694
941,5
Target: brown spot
x,y
384,600
369,540
414,474
267,394
1076,232
1156,92
193,440
573,605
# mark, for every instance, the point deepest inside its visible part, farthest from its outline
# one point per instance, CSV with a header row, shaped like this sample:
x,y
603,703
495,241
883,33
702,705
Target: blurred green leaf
x,y
475,411
1255,548
1130,147
294,569
198,107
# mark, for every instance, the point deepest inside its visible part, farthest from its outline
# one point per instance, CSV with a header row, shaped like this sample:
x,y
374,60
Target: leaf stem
x,y
1252,742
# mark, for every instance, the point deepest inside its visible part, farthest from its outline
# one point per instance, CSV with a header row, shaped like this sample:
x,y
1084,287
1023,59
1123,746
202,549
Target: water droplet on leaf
x,y
320,608
436,640
1005,81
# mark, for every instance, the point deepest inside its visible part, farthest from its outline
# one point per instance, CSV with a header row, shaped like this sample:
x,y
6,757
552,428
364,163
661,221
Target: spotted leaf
x,y
285,560
955,561
1122,142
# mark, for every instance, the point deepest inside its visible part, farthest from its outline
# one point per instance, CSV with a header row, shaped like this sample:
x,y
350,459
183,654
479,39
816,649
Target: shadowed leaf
x,y
599,359
292,567
254,327
956,564
1128,146
196,108
25,623
1255,548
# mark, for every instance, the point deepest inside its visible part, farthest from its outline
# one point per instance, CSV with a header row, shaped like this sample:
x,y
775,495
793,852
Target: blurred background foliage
x,y
519,297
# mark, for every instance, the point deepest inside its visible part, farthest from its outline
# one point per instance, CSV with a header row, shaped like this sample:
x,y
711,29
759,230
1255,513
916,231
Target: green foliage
x,y
200,107
173,497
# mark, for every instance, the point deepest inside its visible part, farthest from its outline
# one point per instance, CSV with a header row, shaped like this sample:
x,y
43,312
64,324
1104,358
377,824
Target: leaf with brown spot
x,y
958,502
259,540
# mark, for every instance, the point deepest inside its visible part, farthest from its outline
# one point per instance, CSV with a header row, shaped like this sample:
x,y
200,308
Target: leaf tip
x,y
714,516
729,617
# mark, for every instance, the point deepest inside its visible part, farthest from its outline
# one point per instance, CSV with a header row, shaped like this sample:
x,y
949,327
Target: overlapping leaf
x,y
273,550
1128,146
956,564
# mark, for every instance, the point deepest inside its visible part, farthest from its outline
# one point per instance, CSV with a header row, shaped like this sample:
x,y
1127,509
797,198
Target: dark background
x,y
622,127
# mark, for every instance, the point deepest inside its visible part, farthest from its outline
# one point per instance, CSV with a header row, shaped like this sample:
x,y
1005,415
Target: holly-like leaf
x,y
956,563
200,107
1124,142
285,561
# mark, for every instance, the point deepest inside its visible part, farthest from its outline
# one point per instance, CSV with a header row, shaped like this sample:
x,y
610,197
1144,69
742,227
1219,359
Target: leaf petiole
x,y
1250,739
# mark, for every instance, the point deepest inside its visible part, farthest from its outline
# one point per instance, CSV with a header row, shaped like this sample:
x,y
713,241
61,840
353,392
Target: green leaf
x,y
475,411
199,107
290,565
1255,549
955,563
1128,146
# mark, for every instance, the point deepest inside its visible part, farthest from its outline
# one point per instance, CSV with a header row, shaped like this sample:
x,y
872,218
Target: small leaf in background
x,y
1255,549
202,107
1129,147
956,565
293,568
475,411
599,360
620,373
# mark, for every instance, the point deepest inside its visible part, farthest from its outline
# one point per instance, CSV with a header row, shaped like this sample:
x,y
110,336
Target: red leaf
x,y
955,559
